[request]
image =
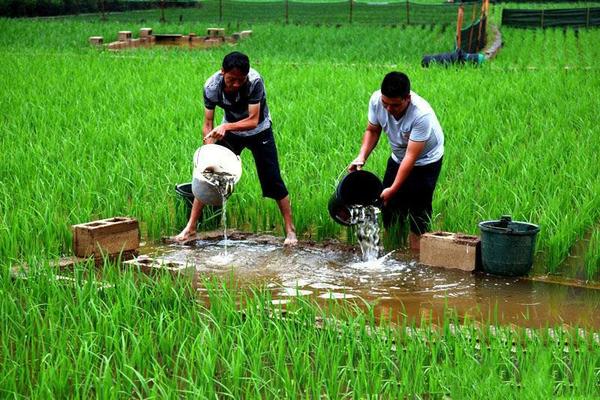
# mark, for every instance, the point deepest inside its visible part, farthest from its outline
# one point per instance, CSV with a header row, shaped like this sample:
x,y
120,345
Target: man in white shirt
x,y
417,143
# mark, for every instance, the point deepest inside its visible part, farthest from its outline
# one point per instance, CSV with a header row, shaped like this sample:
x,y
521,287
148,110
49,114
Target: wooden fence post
x,y
471,27
103,10
407,13
162,11
459,22
587,18
351,7
482,17
287,12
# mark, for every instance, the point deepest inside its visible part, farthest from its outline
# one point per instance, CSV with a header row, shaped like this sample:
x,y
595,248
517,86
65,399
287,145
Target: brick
x,y
109,236
215,32
150,266
213,42
450,250
135,43
96,40
116,45
124,36
145,32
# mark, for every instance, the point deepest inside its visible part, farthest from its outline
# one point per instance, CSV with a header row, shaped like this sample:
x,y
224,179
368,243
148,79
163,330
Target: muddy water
x,y
395,287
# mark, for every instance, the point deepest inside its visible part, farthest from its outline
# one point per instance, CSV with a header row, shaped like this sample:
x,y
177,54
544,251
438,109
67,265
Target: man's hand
x,y
216,134
387,194
356,165
208,139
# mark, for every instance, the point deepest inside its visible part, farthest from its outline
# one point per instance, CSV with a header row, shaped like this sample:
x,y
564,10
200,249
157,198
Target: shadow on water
x,y
395,287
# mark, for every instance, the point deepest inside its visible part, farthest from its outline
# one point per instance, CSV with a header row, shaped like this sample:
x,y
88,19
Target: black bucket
x,y
356,188
184,190
210,214
507,246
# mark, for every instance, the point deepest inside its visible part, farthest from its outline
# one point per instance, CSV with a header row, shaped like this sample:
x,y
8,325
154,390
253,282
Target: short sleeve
x,y
421,129
257,92
372,114
209,101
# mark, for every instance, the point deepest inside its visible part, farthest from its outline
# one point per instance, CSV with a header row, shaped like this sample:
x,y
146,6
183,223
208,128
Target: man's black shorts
x,y
262,146
414,198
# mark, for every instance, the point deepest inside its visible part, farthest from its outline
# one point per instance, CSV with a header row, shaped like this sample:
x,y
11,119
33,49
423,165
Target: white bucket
x,y
217,159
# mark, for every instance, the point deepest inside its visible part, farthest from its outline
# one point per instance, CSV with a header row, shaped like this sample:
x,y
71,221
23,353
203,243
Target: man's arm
x,y
370,139
245,124
413,151
207,126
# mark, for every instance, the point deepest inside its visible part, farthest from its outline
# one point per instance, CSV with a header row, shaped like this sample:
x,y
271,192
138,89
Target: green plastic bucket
x,y
507,246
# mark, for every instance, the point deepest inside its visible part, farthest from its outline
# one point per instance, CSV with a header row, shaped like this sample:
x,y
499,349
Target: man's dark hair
x,y
236,60
395,84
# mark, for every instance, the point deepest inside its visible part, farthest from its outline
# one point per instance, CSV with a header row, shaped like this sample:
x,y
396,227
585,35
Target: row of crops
x,y
147,338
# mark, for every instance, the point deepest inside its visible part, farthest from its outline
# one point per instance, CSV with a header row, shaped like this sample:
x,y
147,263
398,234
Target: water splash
x,y
367,230
378,264
224,184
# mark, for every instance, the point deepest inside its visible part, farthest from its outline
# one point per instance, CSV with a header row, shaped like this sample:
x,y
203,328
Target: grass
x,y
152,338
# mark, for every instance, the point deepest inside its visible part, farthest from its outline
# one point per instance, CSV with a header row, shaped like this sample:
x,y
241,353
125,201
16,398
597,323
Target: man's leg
x,y
394,213
264,151
423,183
190,228
290,230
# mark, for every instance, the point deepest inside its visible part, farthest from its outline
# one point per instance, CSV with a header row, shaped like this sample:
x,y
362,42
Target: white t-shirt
x,y
419,124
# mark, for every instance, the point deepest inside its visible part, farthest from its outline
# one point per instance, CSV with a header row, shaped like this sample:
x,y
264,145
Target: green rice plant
x,y
592,255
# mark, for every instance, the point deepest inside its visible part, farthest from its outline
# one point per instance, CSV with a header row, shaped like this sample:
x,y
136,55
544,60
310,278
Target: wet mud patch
x,y
396,286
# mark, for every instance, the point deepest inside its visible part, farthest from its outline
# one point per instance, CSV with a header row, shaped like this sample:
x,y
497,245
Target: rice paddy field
x,y
88,134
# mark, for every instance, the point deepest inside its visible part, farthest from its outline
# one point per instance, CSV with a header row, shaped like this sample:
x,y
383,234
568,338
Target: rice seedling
x,y
144,337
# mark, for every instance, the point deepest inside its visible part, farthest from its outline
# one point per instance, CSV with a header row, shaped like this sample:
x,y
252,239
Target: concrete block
x,y
245,34
145,32
213,42
450,250
150,266
215,32
106,237
96,40
116,45
124,36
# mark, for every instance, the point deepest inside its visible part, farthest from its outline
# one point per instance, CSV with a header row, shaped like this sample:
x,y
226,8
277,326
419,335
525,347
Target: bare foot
x,y
184,235
290,240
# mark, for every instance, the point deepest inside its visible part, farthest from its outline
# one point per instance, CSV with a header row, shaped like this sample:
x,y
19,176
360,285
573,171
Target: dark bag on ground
x,y
456,57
